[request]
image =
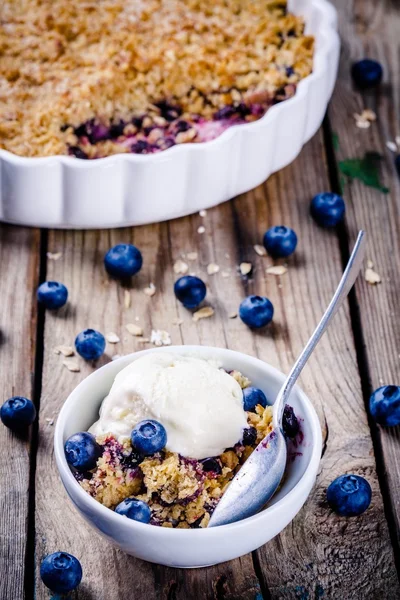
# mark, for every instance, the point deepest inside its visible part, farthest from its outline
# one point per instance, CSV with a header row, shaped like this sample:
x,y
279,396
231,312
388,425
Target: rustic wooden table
x,y
319,555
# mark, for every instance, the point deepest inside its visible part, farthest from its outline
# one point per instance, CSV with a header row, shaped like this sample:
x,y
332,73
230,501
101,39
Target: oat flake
x,y
276,270
212,269
392,146
177,321
151,290
261,251
71,365
112,338
64,350
191,256
54,255
232,315
372,277
203,313
159,337
180,267
127,298
134,329
225,274
245,268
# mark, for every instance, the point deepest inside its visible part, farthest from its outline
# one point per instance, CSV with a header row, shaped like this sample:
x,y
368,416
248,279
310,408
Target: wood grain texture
x,y
311,556
98,302
319,554
19,252
371,29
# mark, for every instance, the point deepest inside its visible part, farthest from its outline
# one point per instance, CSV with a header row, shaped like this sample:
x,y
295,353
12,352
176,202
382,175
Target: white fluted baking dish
x,y
131,189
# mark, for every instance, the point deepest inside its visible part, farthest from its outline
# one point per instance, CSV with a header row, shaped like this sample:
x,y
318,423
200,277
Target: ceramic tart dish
x,y
154,183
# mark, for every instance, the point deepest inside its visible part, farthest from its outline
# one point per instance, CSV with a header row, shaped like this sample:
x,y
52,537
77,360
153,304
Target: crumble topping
x,y
94,78
180,491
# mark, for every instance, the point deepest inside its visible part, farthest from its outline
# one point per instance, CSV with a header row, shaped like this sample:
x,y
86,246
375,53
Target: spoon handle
x,y
346,283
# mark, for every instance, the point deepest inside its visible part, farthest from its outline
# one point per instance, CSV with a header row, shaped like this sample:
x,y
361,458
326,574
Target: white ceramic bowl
x,y
192,547
129,189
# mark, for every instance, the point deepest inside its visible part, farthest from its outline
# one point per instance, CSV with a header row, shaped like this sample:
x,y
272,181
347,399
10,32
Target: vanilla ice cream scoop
x,y
199,404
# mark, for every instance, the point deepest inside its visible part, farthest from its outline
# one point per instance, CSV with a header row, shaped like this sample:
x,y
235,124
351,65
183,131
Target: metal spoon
x,y
262,472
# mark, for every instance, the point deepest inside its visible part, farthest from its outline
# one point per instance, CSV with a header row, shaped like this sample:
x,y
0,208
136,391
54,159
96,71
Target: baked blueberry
x,y
290,423
349,495
327,209
253,396
77,152
123,260
367,73
17,413
90,344
61,572
148,437
82,451
280,241
190,290
134,509
52,294
256,311
384,405
249,436
211,465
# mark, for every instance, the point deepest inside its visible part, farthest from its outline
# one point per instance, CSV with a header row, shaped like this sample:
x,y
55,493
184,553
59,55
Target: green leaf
x,y
365,169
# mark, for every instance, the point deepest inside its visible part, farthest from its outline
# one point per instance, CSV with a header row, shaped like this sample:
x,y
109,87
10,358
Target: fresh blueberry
x,y
349,495
82,451
249,436
17,413
211,465
253,396
123,260
61,572
367,73
52,294
280,241
190,290
90,344
384,405
256,311
148,437
290,422
134,509
327,209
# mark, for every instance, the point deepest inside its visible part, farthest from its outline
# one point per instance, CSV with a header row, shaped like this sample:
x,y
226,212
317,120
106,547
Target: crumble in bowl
x,y
181,492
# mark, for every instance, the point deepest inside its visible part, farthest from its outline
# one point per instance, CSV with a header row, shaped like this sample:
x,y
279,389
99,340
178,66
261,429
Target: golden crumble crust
x,y
64,63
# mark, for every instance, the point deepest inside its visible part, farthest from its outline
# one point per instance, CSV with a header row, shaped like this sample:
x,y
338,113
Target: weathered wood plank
x,y
319,553
311,554
19,253
98,302
371,29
